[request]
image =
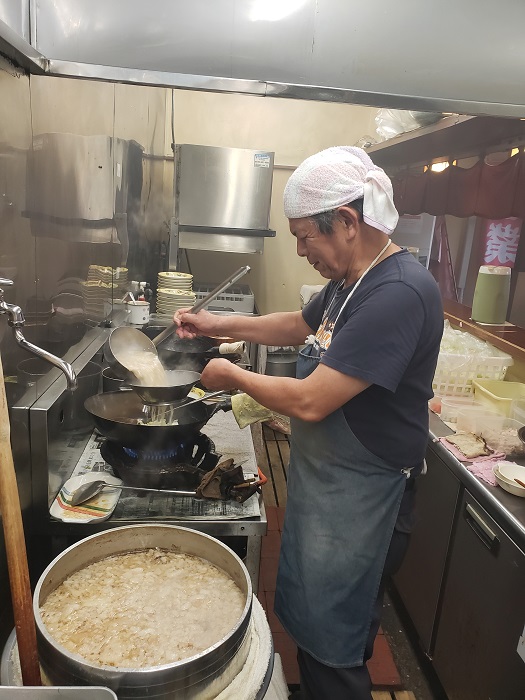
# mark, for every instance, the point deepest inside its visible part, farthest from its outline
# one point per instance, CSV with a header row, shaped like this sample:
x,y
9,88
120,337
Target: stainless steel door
x,y
419,580
483,612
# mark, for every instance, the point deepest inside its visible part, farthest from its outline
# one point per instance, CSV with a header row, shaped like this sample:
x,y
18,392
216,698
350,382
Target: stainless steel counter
x,y
507,510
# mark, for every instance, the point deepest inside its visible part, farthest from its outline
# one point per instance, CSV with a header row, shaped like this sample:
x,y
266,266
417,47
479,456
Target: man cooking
x,y
358,411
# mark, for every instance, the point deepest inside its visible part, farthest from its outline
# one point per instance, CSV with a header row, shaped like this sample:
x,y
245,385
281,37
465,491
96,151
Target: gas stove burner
x,y
159,455
181,467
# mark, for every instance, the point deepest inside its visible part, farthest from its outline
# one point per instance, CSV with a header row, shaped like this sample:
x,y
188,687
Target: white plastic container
x,y
470,418
450,405
518,410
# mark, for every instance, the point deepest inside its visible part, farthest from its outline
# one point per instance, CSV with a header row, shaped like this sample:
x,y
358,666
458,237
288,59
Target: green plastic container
x,y
491,296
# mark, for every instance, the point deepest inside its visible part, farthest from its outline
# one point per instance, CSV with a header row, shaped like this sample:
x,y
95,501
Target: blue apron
x,y
342,506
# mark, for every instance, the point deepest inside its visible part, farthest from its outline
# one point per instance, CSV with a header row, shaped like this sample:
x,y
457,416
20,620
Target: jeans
x,y
321,682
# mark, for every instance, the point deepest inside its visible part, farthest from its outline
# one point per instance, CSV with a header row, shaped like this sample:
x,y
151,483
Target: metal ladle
x,y
91,488
125,338
86,491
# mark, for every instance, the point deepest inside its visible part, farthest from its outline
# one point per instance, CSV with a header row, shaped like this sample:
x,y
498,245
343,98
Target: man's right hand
x,y
192,325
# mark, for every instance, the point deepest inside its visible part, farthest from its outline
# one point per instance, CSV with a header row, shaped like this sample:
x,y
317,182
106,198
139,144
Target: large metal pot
x,y
88,384
281,364
202,676
110,381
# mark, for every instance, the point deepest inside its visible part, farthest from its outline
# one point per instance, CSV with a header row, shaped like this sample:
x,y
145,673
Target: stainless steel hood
x,y
406,55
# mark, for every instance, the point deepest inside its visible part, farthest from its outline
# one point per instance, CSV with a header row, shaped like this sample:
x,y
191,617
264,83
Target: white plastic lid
x,y
495,270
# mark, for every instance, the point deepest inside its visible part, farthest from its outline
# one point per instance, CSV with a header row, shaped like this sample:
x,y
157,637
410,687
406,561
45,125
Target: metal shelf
x,y
456,136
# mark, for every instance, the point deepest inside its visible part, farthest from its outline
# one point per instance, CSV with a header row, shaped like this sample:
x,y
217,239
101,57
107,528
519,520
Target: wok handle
x,y
225,405
173,407
203,303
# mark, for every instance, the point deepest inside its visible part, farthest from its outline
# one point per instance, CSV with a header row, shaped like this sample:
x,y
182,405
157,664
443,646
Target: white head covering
x,y
337,176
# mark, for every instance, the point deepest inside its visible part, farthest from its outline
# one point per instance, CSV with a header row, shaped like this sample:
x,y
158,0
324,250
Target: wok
x,y
187,353
117,414
179,383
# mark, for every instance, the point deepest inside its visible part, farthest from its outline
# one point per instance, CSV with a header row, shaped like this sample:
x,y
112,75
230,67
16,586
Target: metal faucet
x,y
16,320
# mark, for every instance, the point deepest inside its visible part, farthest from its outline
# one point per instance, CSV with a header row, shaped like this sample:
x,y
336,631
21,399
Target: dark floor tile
x,y
280,517
271,544
268,574
272,519
381,666
287,650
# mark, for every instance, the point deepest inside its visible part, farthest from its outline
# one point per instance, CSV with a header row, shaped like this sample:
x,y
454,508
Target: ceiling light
x,y
439,167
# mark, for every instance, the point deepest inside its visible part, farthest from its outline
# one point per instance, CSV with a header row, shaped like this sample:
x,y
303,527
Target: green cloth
x,y
247,411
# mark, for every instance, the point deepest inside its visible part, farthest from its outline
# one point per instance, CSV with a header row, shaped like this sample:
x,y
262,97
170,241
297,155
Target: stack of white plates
x,y
169,300
174,291
175,280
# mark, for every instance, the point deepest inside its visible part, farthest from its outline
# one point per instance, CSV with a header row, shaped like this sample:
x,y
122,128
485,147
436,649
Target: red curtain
x,y
489,191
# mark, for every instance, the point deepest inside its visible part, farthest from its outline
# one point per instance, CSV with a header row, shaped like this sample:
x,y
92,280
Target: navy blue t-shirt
x,y
389,335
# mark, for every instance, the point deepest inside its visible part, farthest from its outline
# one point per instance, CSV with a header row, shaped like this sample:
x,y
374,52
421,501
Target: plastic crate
x,y
497,395
237,298
455,373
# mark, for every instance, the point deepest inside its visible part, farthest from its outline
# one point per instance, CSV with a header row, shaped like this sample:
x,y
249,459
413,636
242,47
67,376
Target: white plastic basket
x,y
454,373
237,298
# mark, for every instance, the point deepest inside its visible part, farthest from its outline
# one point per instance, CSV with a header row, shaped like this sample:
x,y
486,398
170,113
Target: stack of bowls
x,y
97,299
506,474
174,291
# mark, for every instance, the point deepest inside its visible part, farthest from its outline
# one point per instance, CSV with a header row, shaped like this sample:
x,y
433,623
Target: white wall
x,y
294,130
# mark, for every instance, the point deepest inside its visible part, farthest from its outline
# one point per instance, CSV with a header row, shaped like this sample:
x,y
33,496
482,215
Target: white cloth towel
x,y
337,176
246,684
307,292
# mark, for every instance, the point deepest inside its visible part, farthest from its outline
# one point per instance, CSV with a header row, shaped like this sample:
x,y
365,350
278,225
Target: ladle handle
x,y
203,303
174,407
142,488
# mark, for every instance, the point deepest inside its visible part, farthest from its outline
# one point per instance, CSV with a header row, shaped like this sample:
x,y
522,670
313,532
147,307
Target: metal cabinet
x,y
483,611
419,580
